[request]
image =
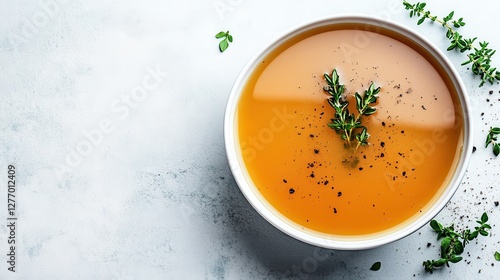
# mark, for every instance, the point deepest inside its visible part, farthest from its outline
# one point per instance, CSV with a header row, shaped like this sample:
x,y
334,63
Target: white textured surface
x,y
153,198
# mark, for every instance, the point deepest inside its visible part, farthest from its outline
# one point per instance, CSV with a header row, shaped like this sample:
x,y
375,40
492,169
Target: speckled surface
x,y
112,113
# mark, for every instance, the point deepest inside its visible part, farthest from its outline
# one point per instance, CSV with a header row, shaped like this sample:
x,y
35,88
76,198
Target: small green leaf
x,y
220,35
421,20
223,45
455,259
473,235
358,101
436,226
230,38
497,256
483,232
496,149
484,218
376,266
439,262
445,243
369,111
328,79
450,16
495,130
459,248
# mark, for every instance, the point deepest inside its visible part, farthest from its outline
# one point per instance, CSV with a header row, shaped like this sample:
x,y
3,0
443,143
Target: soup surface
x,y
300,165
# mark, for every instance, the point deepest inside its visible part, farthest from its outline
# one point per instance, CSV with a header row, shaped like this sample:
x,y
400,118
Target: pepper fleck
x,y
291,191
339,194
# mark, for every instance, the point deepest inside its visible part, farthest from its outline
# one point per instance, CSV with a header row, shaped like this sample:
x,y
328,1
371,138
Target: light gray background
x,y
153,198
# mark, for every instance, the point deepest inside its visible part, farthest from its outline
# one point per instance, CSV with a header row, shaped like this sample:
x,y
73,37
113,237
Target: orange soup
x,y
301,166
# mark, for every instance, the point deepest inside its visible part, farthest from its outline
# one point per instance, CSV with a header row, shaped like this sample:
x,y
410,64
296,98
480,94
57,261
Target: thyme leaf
x,y
491,138
226,39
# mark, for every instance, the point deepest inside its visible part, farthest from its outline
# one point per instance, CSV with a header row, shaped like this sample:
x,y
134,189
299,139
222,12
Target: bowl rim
x,y
373,240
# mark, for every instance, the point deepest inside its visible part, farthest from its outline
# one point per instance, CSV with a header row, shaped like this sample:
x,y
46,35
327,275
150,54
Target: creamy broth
x,y
296,160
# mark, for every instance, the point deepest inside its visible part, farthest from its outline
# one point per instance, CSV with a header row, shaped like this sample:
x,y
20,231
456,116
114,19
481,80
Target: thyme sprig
x,y
453,243
344,122
480,56
226,39
492,139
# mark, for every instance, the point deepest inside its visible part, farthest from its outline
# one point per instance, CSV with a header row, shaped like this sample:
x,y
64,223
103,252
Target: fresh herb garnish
x,y
479,56
376,266
345,123
453,243
492,139
224,44
497,256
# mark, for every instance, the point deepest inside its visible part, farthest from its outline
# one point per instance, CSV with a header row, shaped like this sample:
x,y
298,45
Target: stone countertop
x,y
112,114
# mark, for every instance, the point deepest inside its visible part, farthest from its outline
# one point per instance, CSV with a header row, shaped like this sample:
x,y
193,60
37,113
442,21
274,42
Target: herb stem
x,y
480,57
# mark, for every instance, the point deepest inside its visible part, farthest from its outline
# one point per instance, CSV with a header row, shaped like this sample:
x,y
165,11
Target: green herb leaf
x,y
473,235
223,45
496,149
221,34
445,243
226,39
492,138
497,256
437,227
376,266
459,248
484,218
455,259
439,262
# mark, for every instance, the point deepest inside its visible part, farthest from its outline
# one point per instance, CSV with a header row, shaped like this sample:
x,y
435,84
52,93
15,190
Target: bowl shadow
x,y
285,257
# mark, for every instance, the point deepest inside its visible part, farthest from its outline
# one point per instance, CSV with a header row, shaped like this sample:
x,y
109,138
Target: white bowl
x,y
267,211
